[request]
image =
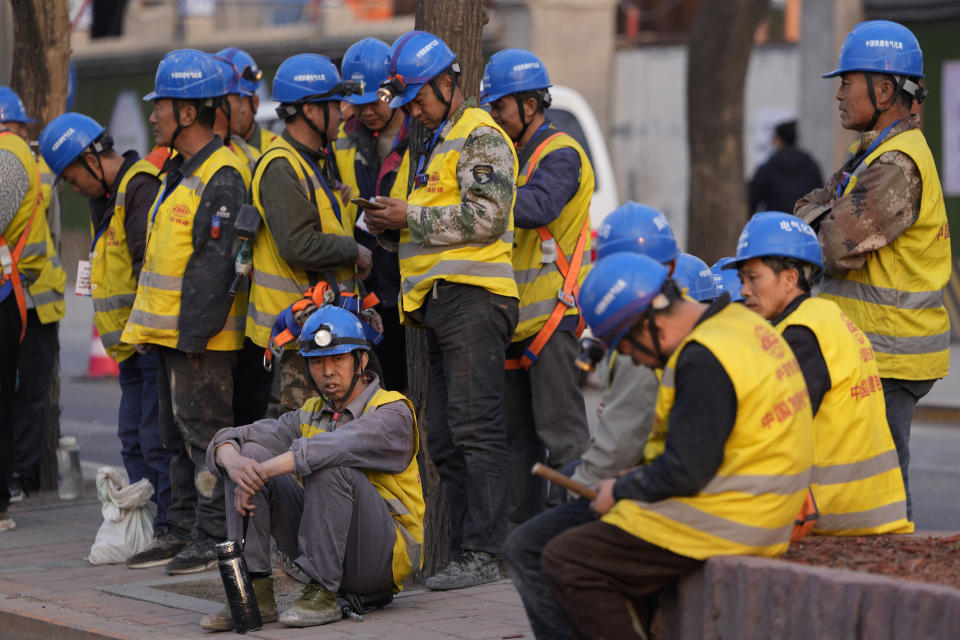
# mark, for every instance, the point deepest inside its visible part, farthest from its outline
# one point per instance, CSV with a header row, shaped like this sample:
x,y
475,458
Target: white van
x,y
569,111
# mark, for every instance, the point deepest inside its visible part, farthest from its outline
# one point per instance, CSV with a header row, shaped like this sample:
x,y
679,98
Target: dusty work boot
x,y
164,547
262,590
315,606
200,554
468,570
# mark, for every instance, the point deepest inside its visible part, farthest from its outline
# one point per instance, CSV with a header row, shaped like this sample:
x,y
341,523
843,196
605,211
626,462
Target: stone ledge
x,y
759,598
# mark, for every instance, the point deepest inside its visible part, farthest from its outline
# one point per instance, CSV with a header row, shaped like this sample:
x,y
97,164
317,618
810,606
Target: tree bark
x,y
718,55
41,55
460,24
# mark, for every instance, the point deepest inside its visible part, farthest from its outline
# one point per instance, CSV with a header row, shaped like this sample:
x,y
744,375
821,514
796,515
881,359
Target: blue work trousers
x,y
142,450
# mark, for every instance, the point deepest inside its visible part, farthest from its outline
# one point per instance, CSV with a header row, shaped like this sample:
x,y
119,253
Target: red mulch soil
x,y
935,560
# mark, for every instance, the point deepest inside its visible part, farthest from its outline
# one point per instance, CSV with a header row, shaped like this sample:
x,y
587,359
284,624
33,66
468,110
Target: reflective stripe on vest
x,y
275,284
39,267
857,474
400,491
112,285
896,297
750,505
156,310
484,265
535,260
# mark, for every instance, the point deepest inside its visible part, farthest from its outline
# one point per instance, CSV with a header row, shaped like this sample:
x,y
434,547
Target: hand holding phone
x,y
363,203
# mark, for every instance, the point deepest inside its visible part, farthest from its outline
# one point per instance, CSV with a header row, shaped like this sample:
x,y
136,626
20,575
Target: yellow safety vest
x,y
345,153
156,310
275,284
40,268
749,506
112,285
535,258
250,152
857,485
897,296
484,265
401,491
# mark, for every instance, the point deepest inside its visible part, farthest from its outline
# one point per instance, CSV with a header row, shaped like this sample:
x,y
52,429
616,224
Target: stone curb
x,y
758,598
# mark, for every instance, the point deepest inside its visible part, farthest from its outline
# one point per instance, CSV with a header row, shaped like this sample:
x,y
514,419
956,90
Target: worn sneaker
x,y
315,606
468,570
266,601
17,494
6,522
164,547
198,555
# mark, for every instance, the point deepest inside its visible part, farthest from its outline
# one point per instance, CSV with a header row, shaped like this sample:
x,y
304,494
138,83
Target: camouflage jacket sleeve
x,y
818,202
884,203
485,176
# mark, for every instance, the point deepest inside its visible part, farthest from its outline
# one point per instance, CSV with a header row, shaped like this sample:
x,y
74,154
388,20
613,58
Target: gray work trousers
x,y
336,526
195,394
546,422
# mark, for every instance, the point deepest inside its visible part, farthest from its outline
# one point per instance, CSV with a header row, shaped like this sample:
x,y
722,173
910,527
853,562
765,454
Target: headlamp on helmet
x,y
324,336
390,88
251,75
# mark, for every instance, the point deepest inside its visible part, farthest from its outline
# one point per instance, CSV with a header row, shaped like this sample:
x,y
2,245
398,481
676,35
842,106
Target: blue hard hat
x,y
71,85
512,71
250,74
780,235
231,77
66,137
638,228
364,63
415,58
727,280
11,107
617,290
694,275
880,46
331,330
188,74
306,77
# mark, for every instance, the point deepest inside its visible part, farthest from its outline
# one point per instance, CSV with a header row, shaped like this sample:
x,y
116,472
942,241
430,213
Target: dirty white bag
x,y
128,514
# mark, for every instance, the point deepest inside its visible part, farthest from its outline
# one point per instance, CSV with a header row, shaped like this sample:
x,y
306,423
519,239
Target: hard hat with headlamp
x,y
331,330
363,63
250,74
414,60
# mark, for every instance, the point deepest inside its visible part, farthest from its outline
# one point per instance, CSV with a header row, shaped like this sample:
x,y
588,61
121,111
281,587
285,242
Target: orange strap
x,y
15,258
539,152
808,516
371,300
566,298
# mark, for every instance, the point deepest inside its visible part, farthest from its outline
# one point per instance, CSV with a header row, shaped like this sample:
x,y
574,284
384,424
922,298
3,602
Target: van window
x,y
569,124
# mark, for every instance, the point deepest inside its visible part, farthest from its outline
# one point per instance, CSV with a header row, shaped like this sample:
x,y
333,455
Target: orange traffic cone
x,y
100,365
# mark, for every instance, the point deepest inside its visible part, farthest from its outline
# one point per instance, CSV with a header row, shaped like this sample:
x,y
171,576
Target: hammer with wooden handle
x,y
561,480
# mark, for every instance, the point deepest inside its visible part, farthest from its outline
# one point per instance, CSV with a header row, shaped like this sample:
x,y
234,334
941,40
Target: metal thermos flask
x,y
237,584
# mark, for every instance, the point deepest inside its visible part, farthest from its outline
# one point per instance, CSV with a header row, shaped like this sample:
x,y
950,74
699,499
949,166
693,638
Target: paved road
x,y
89,412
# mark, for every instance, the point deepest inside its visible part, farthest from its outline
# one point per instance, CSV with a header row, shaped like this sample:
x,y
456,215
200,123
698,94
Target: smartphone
x,y
366,204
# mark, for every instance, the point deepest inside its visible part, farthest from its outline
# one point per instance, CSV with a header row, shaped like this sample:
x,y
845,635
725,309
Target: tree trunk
x,y
41,55
718,54
460,24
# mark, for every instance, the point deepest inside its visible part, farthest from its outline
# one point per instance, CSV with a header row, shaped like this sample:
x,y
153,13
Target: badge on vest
x,y
83,278
482,173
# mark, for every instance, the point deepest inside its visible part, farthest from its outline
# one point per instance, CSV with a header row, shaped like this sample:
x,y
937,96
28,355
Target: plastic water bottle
x,y
69,475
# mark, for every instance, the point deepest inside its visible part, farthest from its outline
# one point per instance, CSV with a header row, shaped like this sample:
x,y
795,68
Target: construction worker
x,y
240,107
882,223
354,520
252,383
44,307
183,307
857,484
372,159
695,278
120,189
624,419
543,405
307,232
456,234
733,434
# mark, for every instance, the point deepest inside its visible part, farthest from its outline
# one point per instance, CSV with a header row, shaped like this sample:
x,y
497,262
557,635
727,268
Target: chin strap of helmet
x,y
454,73
877,111
176,118
102,143
669,293
357,374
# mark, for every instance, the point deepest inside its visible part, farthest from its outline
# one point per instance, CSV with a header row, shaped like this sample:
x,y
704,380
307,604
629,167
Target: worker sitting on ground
x,y
857,483
732,434
354,522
